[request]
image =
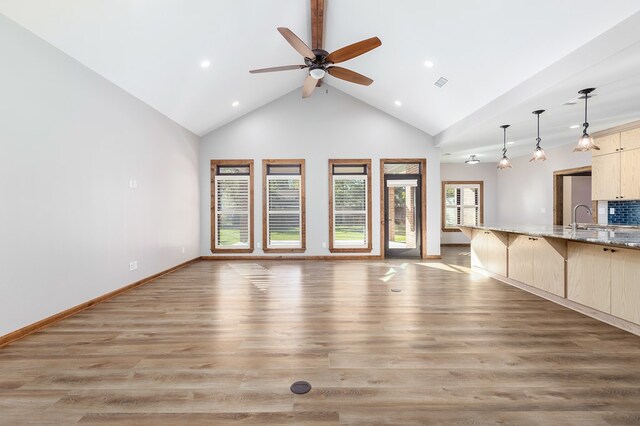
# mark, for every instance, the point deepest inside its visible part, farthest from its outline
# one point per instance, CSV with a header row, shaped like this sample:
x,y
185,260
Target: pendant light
x,y
585,143
504,161
538,154
472,160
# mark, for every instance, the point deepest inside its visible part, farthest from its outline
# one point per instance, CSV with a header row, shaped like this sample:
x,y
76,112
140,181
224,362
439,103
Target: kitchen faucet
x,y
574,225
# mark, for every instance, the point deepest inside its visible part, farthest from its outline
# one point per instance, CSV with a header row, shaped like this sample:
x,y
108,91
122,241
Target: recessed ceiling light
x,y
398,103
510,143
205,64
428,64
575,126
235,104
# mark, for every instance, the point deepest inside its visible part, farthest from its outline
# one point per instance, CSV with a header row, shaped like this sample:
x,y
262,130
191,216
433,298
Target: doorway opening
x,y
572,187
403,208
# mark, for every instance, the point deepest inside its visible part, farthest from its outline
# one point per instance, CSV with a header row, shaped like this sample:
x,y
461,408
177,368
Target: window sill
x,y
284,250
451,229
350,250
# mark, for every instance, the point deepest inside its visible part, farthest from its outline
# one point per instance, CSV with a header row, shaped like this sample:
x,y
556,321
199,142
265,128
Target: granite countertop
x,y
629,238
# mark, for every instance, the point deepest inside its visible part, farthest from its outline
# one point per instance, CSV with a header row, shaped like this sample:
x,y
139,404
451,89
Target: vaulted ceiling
x,y
487,49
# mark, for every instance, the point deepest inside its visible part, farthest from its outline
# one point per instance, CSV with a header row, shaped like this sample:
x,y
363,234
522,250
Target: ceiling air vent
x,y
441,82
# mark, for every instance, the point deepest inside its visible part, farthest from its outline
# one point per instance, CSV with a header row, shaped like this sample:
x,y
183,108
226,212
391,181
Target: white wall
x,y
485,172
525,192
333,125
69,224
576,190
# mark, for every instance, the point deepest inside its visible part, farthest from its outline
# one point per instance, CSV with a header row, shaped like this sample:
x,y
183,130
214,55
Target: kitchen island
x,y
594,271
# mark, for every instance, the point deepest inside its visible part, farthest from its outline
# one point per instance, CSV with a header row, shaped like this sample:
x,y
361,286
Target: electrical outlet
x,y
259,244
133,184
182,250
324,244
132,266
612,210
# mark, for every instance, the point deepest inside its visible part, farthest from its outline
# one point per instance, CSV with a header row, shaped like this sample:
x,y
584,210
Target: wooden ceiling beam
x,y
317,24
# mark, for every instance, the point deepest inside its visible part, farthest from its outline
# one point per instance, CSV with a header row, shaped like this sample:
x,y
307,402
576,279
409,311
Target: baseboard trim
x,y
432,257
36,326
455,245
590,312
302,257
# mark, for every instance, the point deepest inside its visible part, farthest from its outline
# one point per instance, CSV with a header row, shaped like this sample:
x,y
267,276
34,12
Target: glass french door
x,y
402,216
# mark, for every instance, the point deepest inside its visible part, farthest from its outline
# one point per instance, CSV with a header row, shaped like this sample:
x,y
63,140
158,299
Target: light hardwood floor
x,y
221,342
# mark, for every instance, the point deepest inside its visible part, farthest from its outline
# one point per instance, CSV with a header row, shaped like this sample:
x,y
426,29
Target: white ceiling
x,y
153,50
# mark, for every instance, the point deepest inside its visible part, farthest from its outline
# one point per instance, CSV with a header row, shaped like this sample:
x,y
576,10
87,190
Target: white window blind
x,y
462,205
284,211
232,218
350,211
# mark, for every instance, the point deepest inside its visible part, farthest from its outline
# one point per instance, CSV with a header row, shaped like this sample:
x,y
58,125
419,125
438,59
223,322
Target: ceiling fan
x,y
319,61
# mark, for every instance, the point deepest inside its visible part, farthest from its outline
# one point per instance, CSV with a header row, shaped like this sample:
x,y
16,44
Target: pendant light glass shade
x,y
504,162
585,143
472,160
538,153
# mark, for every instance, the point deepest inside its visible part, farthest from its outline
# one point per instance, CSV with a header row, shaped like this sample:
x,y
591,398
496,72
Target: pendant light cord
x,y
585,124
504,143
538,140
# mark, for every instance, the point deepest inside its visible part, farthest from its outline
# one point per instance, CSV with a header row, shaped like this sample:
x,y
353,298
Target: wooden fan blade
x,y
283,68
297,44
353,50
348,75
309,85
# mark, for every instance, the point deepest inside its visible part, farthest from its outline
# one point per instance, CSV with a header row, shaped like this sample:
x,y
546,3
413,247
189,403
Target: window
x,y
232,206
461,204
283,227
349,205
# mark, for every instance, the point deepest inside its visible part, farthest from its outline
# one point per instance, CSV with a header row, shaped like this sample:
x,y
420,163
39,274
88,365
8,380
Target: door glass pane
x,y
402,168
402,217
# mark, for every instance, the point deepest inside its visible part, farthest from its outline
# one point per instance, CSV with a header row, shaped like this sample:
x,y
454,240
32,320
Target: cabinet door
x,y
549,256
589,275
607,144
479,249
605,179
625,284
630,139
497,243
520,258
630,174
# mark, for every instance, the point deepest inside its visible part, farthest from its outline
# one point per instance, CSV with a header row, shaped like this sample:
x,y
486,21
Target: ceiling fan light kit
x,y
320,62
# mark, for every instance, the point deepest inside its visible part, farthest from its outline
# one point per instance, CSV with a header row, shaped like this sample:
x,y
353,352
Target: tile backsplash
x,y
626,212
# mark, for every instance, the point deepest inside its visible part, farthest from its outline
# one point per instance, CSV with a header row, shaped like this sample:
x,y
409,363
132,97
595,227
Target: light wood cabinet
x,y
605,177
489,251
630,139
615,173
538,262
630,174
521,258
625,284
607,144
589,275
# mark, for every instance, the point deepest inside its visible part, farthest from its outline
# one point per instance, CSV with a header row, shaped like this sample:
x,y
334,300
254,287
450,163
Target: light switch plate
x,y
612,210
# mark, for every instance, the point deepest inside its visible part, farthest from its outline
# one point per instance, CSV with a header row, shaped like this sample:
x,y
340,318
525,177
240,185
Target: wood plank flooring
x,y
220,342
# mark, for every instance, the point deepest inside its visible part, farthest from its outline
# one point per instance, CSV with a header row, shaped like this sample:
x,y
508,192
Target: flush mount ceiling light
x,y
235,104
472,159
205,64
504,161
538,153
585,143
428,64
398,103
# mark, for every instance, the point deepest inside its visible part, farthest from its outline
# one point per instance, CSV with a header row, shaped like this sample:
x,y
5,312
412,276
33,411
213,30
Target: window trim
x,y
303,202
214,205
356,162
462,182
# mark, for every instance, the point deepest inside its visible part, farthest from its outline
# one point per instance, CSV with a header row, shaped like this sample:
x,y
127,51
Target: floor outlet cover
x,y
300,388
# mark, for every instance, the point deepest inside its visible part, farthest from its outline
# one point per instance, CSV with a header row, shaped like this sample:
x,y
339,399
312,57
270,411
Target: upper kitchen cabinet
x,y
615,171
